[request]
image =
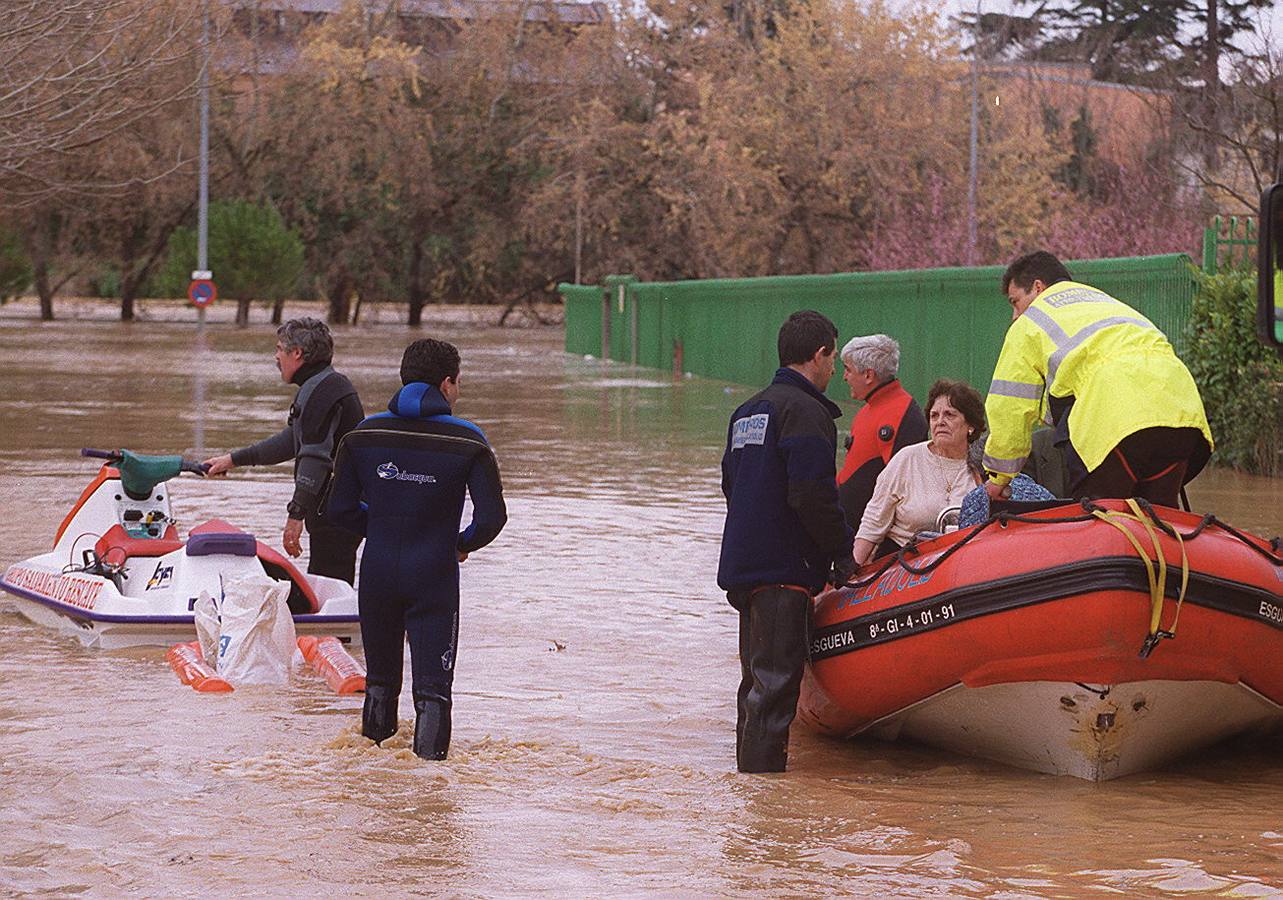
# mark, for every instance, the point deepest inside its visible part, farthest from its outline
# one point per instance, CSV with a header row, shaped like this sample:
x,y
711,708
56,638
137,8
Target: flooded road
x,y
594,706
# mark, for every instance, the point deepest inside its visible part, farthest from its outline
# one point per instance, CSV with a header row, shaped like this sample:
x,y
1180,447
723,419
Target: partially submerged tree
x,y
329,161
255,256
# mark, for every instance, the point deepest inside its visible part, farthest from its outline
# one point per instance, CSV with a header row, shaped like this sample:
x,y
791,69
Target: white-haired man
x,y
325,408
889,420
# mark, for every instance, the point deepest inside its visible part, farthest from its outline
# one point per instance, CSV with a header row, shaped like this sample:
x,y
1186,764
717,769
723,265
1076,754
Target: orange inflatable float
x,y
327,655
188,663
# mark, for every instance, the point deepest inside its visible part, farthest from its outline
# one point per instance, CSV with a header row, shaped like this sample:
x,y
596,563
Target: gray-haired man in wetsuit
x,y
325,408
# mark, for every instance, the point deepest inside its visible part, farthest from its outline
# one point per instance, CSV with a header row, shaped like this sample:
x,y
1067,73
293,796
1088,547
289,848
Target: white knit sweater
x,y
912,491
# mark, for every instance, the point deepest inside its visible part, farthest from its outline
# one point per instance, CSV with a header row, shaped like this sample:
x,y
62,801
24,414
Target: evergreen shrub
x,y
15,268
252,253
1240,378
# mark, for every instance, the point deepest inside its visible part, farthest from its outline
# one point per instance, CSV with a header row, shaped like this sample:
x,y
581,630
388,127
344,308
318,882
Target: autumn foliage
x,y
503,153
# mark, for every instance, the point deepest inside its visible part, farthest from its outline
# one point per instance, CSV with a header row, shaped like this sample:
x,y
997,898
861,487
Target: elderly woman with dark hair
x,y
923,480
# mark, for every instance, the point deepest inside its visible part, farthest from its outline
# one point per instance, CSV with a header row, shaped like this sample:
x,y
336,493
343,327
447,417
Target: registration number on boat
x,y
920,619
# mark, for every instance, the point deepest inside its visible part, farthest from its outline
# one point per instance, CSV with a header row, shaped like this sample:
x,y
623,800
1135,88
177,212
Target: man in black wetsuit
x,y
399,479
325,408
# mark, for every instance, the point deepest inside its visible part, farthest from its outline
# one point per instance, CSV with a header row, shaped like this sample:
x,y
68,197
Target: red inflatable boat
x,y
1093,640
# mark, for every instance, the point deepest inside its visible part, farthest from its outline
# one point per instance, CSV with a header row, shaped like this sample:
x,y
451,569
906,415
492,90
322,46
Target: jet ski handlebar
x,y
117,456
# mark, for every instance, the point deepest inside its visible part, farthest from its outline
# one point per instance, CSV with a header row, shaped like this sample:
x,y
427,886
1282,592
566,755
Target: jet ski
x,y
119,574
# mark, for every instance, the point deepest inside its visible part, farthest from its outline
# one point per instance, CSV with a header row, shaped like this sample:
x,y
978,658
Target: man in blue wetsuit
x,y
399,480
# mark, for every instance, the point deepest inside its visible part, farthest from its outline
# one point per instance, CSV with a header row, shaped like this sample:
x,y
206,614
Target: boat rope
x,y
1002,519
1155,568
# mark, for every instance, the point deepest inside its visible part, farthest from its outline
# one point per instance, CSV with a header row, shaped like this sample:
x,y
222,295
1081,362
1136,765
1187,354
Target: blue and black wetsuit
x,y
399,480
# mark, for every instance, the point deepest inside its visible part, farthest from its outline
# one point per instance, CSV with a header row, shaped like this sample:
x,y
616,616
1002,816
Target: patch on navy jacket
x,y
389,470
749,430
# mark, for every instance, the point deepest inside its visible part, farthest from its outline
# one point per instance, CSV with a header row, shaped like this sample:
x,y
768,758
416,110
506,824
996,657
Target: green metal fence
x,y
949,322
1229,241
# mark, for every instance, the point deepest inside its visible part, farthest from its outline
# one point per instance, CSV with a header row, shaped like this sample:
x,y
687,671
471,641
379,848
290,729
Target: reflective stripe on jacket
x,y
1077,343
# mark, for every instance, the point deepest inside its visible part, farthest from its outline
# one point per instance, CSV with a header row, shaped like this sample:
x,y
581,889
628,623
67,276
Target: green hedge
x,y
1241,379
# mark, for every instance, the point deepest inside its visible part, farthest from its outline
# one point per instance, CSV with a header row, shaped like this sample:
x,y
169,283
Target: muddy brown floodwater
x,y
594,697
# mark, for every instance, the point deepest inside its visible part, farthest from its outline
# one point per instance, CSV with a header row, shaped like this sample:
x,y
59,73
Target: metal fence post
x,y
605,322
633,303
1209,246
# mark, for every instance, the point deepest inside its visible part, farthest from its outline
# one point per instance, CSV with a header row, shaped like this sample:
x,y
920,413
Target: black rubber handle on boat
x,y
201,469
100,454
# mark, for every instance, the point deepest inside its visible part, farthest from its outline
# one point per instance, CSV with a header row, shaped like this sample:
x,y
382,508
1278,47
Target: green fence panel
x,y
1229,241
583,318
949,322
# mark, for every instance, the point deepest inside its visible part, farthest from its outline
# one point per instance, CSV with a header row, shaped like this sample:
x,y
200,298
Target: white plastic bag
x,y
248,633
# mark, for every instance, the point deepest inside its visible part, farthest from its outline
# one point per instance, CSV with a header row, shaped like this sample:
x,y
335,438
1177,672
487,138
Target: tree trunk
x,y
415,288
340,302
278,307
1211,87
38,241
242,312
130,285
1212,62
40,271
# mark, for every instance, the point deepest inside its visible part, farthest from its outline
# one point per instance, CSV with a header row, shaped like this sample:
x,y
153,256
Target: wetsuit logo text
x,y
389,472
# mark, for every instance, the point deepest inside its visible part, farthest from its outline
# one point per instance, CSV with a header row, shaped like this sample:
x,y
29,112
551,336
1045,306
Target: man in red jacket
x,y
889,421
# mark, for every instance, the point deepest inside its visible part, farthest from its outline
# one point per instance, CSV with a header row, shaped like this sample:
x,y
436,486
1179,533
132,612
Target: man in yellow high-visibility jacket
x,y
1126,410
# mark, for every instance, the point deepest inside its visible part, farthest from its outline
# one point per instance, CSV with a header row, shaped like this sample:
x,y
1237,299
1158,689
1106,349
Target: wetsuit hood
x,y
417,400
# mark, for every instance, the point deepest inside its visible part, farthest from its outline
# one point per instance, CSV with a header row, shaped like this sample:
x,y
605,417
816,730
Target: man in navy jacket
x,y
785,534
399,480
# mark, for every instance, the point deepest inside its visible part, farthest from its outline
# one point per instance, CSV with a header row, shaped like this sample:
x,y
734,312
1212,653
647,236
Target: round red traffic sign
x,y
202,292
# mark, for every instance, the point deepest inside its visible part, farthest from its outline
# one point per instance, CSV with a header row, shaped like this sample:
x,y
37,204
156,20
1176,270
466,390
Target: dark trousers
x,y
1152,463
774,622
331,549
403,596
432,626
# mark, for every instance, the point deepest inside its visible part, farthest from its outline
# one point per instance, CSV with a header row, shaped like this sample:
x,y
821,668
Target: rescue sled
x,y
1090,639
119,575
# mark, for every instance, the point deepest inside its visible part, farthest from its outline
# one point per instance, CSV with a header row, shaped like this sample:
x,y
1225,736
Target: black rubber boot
x,y
773,652
431,727
378,716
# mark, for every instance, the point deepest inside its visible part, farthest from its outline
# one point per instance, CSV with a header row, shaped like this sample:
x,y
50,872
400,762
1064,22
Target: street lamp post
x,y
973,170
202,237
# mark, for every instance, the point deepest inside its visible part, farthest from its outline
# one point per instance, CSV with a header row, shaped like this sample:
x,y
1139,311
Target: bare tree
x,y
74,73
1245,129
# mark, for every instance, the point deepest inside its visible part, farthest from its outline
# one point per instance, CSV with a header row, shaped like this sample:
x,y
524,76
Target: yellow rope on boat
x,y
1157,579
